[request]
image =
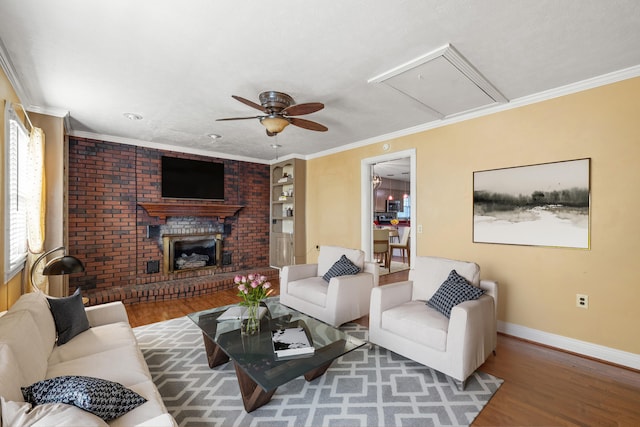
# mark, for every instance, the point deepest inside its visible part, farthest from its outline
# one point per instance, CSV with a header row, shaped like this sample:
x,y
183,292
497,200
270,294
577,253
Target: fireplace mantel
x,y
164,210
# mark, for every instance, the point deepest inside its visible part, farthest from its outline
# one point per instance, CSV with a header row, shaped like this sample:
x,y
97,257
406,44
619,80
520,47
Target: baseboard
x,y
596,351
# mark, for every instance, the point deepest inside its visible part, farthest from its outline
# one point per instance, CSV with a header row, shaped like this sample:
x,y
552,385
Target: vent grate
x,y
443,82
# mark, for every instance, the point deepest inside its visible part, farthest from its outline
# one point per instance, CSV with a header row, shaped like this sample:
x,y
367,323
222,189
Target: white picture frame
x,y
546,204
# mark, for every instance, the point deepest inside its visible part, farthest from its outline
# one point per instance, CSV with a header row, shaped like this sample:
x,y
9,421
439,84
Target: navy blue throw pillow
x,y
342,267
453,291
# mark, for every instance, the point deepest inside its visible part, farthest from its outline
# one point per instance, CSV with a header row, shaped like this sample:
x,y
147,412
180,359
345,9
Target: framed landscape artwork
x,y
539,205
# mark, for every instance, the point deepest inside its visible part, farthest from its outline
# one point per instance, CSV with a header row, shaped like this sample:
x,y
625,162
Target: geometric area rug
x,y
369,386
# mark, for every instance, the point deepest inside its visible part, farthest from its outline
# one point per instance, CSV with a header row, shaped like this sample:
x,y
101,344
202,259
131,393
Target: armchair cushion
x,y
420,324
312,289
342,267
453,291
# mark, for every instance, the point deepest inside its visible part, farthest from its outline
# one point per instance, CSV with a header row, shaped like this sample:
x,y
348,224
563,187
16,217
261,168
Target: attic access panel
x,y
444,82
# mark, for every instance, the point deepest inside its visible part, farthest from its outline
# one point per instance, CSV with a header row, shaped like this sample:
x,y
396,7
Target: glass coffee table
x,y
259,371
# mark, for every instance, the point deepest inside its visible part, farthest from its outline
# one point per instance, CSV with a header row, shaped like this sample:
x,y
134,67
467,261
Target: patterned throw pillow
x,y
69,316
106,399
453,291
342,267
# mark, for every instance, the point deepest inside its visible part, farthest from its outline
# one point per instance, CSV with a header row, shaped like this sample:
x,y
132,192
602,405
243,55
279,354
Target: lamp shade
x,y
63,265
376,181
274,124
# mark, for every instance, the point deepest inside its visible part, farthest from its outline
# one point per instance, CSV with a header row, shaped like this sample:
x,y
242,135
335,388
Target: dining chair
x,y
381,246
403,245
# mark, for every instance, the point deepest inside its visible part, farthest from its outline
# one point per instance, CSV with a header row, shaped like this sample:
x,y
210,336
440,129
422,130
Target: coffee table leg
x,y
253,396
215,355
315,373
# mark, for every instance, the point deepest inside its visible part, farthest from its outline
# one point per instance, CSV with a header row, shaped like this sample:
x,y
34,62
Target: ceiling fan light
x,y
274,124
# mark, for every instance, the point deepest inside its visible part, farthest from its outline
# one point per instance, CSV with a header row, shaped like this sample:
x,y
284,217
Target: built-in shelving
x,y
287,233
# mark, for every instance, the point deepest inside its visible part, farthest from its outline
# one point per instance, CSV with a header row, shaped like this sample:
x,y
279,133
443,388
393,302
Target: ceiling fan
x,y
279,108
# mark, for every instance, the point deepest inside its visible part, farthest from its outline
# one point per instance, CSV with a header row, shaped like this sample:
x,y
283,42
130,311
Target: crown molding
x,y
22,93
166,147
55,112
12,76
592,83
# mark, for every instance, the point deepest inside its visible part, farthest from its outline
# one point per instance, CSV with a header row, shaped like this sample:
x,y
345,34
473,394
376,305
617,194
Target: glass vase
x,y
251,325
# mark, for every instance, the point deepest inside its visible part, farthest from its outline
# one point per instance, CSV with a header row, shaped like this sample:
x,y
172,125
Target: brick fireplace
x,y
116,229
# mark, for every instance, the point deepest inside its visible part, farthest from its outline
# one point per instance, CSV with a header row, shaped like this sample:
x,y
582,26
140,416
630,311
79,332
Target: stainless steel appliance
x,y
394,205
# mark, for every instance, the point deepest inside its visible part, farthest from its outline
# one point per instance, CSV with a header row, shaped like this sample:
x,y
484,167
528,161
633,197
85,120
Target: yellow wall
x,y
9,292
538,285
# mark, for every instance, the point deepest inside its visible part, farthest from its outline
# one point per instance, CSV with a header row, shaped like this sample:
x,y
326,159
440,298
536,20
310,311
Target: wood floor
x,y
542,386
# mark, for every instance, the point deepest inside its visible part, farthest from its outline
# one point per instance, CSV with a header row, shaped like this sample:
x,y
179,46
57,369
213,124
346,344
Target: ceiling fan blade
x,y
249,103
307,124
302,109
238,118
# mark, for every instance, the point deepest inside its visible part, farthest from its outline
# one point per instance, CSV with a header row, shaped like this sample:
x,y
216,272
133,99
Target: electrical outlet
x,y
582,301
419,228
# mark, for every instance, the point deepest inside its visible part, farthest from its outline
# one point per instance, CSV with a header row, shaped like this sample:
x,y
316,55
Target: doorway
x,y
368,169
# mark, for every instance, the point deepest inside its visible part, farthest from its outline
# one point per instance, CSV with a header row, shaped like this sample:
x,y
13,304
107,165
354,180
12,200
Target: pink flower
x,y
237,279
252,276
267,285
254,284
241,288
263,278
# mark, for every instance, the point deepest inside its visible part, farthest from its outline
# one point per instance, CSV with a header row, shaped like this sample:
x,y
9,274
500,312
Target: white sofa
x,y
401,321
108,350
342,299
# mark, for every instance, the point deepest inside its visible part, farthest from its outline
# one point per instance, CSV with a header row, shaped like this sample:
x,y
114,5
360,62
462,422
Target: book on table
x,y
292,341
239,312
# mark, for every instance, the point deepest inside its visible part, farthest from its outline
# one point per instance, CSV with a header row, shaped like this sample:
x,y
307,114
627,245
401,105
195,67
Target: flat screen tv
x,y
192,179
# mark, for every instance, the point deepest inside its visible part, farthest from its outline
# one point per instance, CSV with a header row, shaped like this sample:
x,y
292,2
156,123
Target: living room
x,y
594,118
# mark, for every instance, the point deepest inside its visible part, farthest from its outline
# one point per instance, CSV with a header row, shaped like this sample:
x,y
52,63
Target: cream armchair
x,y
342,299
401,321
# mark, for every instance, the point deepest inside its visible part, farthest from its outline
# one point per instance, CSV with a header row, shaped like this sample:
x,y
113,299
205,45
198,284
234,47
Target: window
x,y
406,208
16,140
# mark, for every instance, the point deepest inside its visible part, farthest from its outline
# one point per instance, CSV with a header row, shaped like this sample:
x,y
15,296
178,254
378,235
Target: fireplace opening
x,y
191,251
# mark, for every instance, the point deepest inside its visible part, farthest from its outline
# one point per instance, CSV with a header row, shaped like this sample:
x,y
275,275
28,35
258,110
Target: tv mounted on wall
x,y
192,179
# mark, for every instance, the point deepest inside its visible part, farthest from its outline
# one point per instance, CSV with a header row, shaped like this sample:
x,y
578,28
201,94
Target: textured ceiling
x,y
178,63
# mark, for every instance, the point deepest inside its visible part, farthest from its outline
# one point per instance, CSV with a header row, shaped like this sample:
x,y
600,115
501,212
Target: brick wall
x,y
109,231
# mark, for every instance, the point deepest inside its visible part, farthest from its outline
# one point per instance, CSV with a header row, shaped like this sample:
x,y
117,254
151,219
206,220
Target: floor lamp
x,y
65,264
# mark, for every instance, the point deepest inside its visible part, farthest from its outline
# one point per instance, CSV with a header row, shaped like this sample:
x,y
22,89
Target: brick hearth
x,y
173,289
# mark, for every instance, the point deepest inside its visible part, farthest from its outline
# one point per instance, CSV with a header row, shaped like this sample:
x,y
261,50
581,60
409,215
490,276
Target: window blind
x,y
16,197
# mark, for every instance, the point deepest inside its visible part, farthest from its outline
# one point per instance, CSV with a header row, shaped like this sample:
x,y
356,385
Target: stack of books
x,y
291,342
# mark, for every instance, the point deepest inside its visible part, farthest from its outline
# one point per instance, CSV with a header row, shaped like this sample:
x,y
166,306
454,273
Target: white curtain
x,y
36,211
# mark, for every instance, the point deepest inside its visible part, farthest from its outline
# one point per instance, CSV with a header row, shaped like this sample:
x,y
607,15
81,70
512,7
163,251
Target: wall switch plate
x,y
419,228
582,300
